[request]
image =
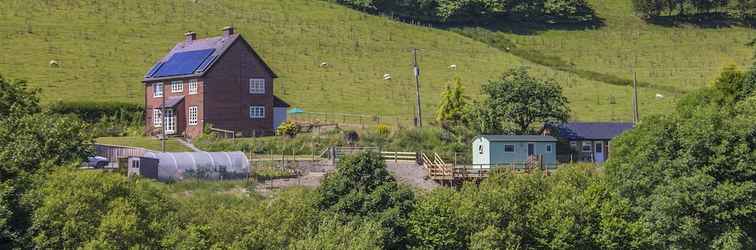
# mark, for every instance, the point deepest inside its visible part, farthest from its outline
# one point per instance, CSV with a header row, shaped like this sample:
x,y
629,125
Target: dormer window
x,y
257,86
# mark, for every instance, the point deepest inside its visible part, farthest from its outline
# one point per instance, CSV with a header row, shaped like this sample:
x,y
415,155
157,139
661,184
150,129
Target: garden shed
x,y
518,150
176,166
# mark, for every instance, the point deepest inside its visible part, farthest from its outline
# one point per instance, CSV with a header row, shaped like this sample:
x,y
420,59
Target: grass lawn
x,y
680,57
105,47
150,143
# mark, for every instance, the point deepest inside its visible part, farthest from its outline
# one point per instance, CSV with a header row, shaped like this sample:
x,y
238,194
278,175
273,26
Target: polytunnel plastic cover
x,y
201,165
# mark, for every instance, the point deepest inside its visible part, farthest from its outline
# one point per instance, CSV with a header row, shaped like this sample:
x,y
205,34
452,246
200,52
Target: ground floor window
x,y
192,116
157,118
509,148
256,112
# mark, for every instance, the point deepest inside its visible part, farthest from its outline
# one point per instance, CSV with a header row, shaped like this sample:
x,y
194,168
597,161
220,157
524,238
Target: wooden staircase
x,y
437,168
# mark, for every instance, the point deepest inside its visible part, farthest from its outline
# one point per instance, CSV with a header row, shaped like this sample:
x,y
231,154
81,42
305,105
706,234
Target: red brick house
x,y
218,80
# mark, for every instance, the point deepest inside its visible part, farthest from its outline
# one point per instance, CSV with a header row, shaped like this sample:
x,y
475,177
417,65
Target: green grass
x,y
677,58
105,47
150,143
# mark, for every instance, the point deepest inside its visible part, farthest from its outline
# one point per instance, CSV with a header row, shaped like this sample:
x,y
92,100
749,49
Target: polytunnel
x,y
201,165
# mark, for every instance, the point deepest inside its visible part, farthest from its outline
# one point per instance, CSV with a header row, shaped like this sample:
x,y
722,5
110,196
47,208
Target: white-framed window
x,y
177,86
157,89
157,118
509,148
480,149
193,86
192,116
587,147
548,148
256,112
257,86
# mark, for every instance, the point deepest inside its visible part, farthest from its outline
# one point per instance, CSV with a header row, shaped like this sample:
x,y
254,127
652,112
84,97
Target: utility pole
x,y
416,70
636,116
162,117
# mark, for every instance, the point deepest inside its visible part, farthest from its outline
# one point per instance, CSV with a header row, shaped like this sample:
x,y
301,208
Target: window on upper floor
x,y
157,118
256,112
193,86
192,117
257,86
157,89
177,86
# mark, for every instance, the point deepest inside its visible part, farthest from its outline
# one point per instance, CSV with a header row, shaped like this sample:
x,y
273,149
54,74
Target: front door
x,y
599,152
531,149
170,122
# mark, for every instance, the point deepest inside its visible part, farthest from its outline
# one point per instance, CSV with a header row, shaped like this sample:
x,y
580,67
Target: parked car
x,y
97,161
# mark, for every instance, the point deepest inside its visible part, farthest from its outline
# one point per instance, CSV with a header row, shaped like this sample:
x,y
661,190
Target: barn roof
x,y
591,130
195,58
519,138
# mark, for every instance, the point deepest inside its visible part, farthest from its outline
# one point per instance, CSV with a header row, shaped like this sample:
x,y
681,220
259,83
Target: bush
x,y
289,129
383,130
95,111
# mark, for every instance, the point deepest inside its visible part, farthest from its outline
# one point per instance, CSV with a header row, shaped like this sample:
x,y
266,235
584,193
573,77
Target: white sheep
x,y
387,77
54,63
453,67
324,65
659,96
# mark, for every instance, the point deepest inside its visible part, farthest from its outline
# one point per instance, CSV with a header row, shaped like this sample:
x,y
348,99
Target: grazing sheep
x,y
387,77
453,67
54,63
659,96
324,65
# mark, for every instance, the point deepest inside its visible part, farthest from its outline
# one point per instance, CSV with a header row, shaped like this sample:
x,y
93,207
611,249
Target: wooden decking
x,y
452,174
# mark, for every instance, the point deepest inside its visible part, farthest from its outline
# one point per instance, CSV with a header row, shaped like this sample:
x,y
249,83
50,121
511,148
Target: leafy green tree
x,y
689,181
452,107
434,223
521,101
361,187
95,210
17,98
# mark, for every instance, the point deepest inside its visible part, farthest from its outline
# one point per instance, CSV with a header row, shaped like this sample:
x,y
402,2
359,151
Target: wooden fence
x,y
115,152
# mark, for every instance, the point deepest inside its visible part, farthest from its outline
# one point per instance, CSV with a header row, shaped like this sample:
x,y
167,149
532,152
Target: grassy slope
x,y
684,56
150,143
104,48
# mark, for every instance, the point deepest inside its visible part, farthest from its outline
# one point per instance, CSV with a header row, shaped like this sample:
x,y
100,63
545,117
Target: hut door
x,y
531,149
599,152
170,122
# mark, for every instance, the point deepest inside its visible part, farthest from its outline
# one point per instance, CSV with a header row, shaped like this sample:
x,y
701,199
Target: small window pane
x,y
509,148
193,86
548,148
157,89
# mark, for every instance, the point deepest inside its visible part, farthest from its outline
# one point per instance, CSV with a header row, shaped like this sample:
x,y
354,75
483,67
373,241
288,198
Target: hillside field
x,y
105,47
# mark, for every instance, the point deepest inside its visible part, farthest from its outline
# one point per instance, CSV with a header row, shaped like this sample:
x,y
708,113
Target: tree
x,y
17,98
360,188
689,180
453,102
521,100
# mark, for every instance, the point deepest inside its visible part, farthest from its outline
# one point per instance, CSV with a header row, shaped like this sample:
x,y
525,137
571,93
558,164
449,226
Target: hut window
x,y
509,148
480,149
193,115
587,147
548,148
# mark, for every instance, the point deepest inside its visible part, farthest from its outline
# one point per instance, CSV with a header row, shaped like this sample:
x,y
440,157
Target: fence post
x,y
396,158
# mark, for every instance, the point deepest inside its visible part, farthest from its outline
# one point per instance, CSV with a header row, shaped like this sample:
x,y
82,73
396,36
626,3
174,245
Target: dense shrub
x,y
739,9
478,11
106,118
289,129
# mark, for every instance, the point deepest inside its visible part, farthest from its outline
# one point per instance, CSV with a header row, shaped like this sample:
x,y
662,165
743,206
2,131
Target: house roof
x,y
278,103
172,101
591,130
195,58
519,138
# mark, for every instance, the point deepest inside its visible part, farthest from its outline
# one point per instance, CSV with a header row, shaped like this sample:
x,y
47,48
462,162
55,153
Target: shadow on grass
x,y
704,21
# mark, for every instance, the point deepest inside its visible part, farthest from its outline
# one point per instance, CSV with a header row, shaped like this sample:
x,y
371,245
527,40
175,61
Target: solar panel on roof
x,y
153,69
206,64
184,63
